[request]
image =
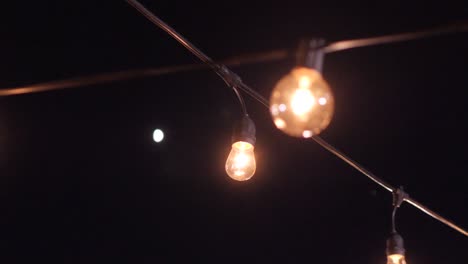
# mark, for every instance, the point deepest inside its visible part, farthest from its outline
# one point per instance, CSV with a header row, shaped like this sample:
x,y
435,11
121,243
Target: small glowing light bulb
x,y
302,103
240,164
396,259
395,249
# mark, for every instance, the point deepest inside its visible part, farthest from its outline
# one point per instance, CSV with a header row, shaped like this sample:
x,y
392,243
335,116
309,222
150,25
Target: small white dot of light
x,y
158,135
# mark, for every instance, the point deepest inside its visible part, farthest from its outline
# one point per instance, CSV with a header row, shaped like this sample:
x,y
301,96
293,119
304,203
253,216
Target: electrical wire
x,y
169,30
241,102
97,79
221,70
353,163
393,219
364,42
235,80
398,198
139,73
273,55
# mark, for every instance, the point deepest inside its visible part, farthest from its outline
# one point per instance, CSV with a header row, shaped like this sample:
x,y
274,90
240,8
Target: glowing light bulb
x,y
302,103
396,259
240,164
395,249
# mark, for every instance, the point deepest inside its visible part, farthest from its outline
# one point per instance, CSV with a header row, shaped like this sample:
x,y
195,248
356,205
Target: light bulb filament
x,y
302,101
240,164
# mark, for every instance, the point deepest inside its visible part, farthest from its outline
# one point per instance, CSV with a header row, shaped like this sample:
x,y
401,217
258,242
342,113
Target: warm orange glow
x,y
396,259
240,164
302,103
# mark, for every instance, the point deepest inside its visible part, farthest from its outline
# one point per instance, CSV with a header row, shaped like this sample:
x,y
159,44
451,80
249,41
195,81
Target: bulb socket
x,y
244,130
395,244
310,54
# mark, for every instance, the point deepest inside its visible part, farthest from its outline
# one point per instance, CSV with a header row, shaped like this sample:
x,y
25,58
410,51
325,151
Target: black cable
x,y
393,219
169,30
97,79
235,61
364,42
399,197
221,70
241,101
140,73
353,163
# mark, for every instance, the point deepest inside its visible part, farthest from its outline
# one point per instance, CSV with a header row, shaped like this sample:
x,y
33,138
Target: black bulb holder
x,y
244,130
395,244
310,53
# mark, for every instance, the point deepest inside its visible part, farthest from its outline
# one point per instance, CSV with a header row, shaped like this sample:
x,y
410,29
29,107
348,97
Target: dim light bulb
x,y
396,259
240,164
302,103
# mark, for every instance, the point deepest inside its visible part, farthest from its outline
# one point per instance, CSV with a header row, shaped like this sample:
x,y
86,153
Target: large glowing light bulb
x,y
396,259
302,103
240,164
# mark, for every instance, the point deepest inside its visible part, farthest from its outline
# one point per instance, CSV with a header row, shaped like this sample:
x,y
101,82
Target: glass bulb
x,y
396,259
302,103
240,164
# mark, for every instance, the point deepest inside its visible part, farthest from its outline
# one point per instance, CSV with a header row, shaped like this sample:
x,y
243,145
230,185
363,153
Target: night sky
x,y
82,181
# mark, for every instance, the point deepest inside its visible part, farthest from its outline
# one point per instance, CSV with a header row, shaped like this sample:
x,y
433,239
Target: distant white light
x,y
158,135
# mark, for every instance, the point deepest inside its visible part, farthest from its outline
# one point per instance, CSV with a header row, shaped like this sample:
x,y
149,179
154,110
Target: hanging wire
x,y
364,42
393,219
241,101
139,73
230,77
97,79
234,61
399,197
169,30
353,163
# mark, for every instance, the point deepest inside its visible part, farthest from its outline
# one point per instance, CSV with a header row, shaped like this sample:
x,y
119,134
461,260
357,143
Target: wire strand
x,y
241,101
221,70
364,42
75,82
97,79
393,219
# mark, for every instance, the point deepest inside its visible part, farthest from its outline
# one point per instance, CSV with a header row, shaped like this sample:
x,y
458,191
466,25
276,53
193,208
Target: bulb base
x,y
244,130
395,244
310,54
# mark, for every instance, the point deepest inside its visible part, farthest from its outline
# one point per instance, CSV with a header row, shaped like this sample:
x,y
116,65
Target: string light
x,y
302,104
395,245
240,164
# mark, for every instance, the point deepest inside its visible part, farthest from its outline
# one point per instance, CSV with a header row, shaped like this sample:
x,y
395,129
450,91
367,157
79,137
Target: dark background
x,y
81,180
